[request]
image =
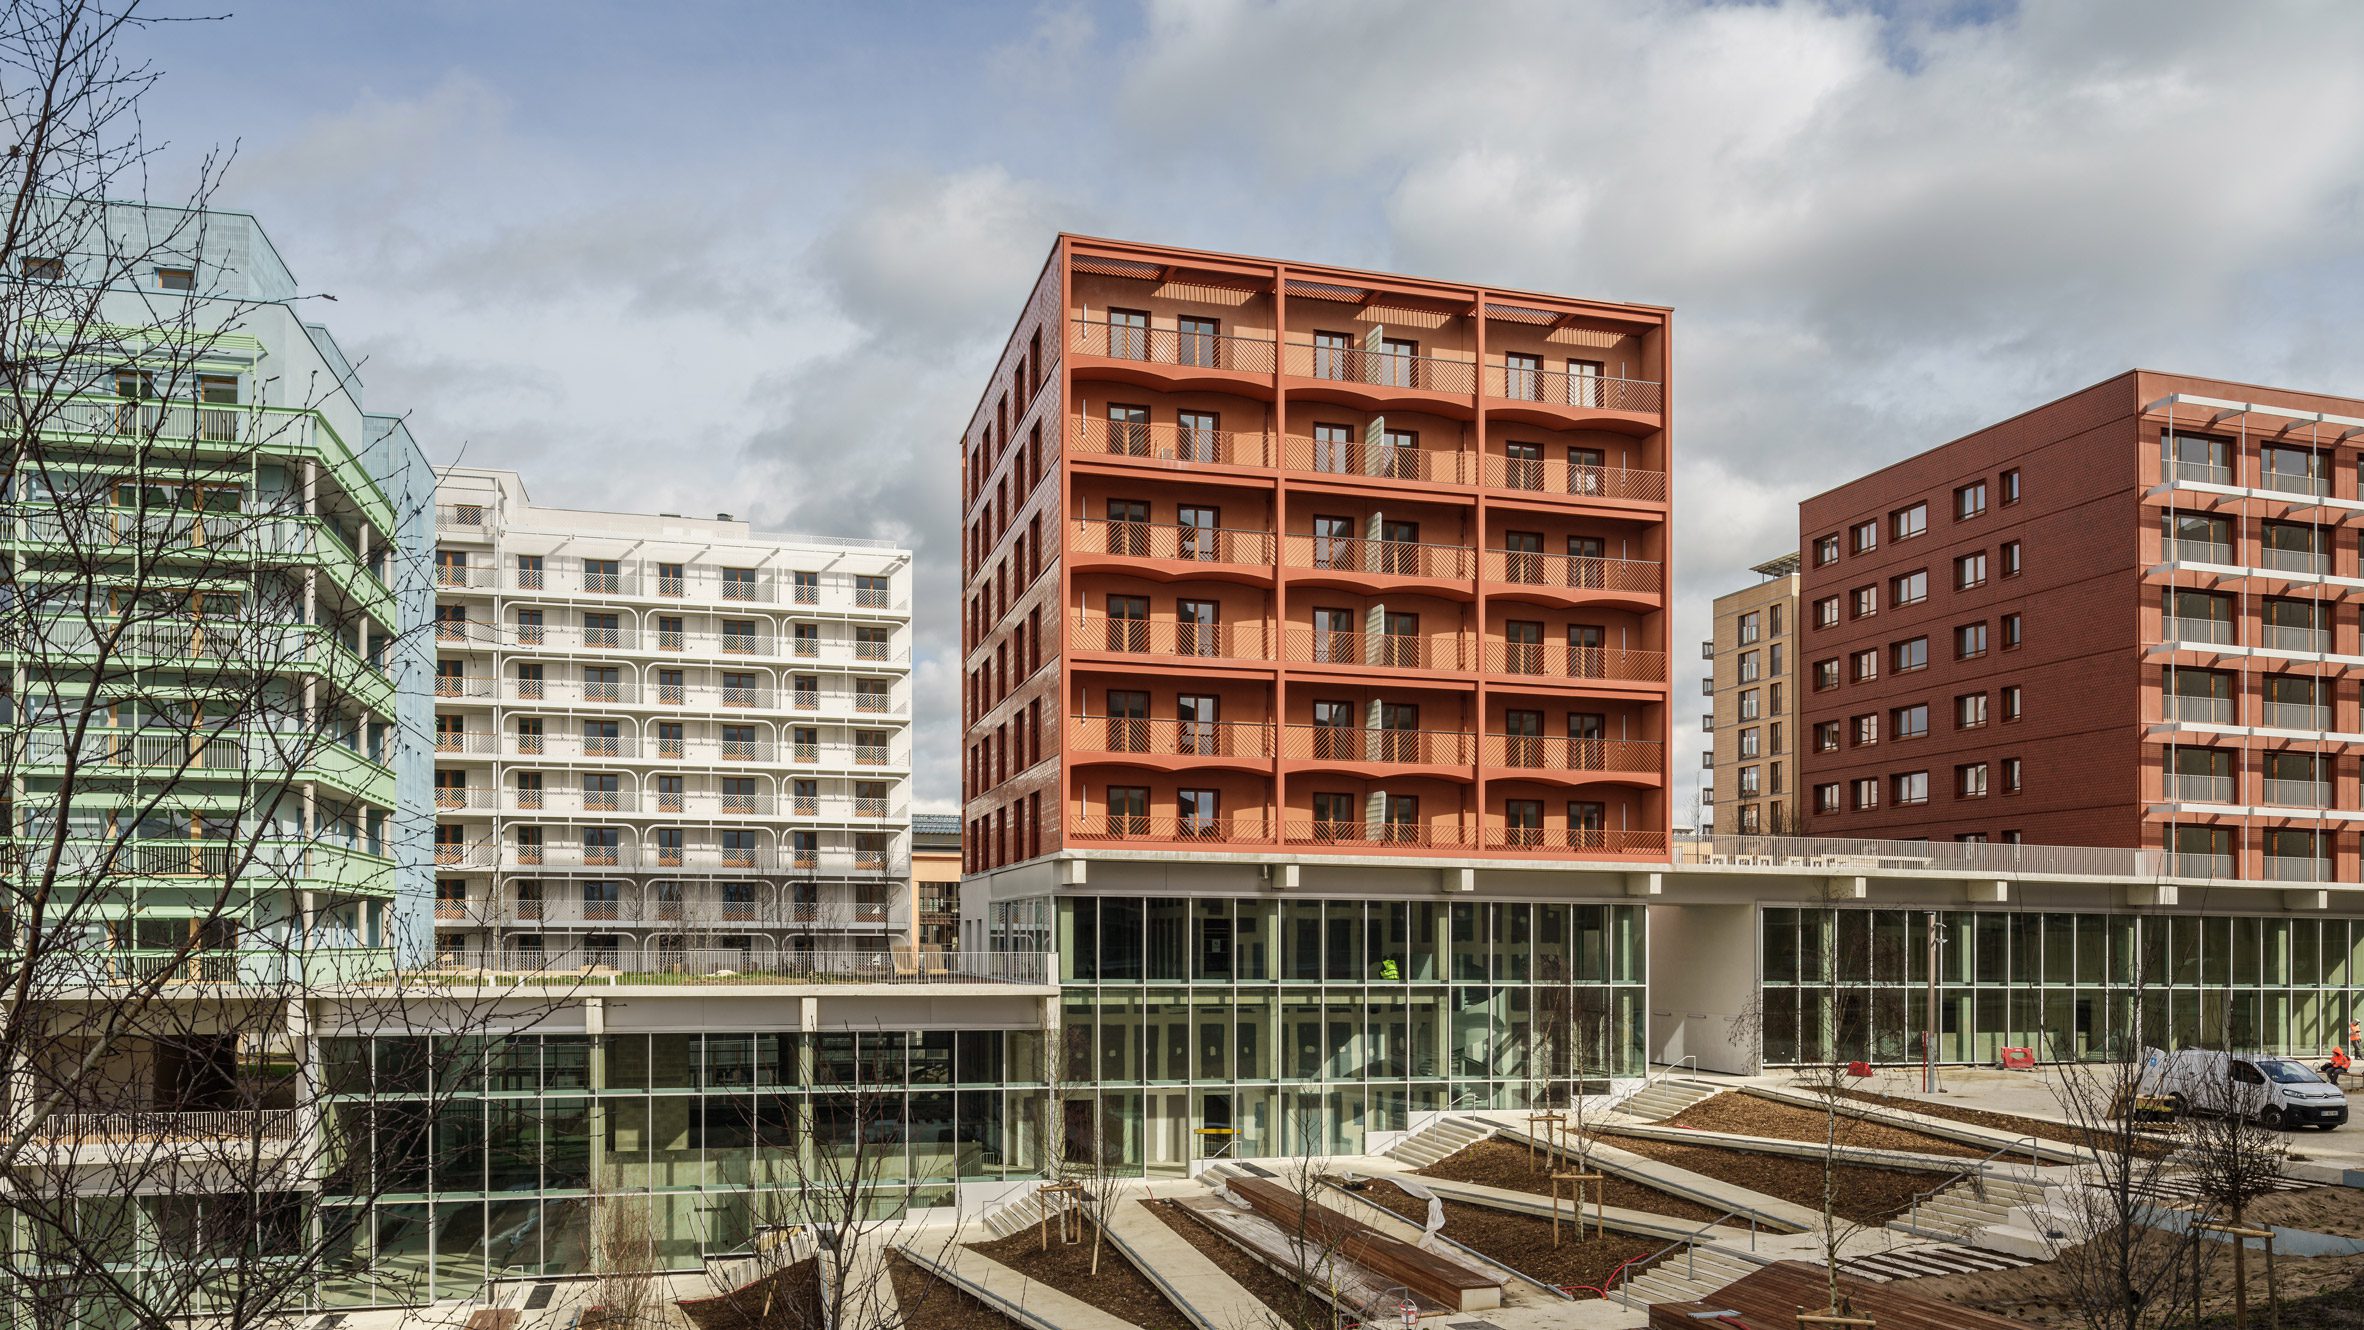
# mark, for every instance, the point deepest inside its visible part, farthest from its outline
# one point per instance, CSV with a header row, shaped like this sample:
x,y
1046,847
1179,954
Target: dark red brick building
x,y
2126,618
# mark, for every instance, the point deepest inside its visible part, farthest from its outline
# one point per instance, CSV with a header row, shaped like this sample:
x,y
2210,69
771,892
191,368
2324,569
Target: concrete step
x,y
1930,1258
1657,1103
1440,1140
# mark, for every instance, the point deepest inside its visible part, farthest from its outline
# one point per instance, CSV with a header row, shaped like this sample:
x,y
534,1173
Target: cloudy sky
x,y
758,257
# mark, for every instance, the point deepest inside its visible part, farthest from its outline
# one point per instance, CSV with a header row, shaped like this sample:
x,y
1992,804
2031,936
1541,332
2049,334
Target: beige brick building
x,y
1751,785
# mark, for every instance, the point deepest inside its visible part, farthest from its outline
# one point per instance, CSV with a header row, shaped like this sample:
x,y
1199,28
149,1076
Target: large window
x,y
1909,522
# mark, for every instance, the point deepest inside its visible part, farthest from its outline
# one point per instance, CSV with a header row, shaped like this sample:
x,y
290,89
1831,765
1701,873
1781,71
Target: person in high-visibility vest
x,y
2356,1036
1387,970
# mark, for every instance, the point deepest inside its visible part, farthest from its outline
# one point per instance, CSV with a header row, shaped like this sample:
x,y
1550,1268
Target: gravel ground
x,y
1498,1163
1118,1289
1744,1114
2058,1132
1864,1195
929,1305
1521,1242
2337,1210
2326,1294
1288,1304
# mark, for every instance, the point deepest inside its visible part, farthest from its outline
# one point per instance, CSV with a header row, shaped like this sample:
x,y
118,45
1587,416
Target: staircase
x,y
1685,1276
1660,1100
1441,1139
1917,1260
1020,1213
1962,1209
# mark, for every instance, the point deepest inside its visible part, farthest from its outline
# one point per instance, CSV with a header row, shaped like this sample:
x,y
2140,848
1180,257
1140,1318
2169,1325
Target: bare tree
x,y
624,1255
213,619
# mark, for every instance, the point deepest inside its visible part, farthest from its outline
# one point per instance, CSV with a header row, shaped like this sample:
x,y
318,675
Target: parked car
x,y
2274,1091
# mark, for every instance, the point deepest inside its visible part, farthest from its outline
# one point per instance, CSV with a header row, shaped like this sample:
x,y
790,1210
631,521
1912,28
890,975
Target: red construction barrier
x,y
2016,1059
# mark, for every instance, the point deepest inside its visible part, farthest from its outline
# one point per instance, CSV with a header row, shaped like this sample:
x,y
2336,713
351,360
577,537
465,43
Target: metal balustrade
x,y
1171,738
1304,644
1590,391
2204,632
1560,753
1552,475
1169,346
1377,460
1165,637
1390,558
1161,540
1560,660
1956,857
2285,716
169,1126
658,965
1158,441
1370,744
1379,368
1574,572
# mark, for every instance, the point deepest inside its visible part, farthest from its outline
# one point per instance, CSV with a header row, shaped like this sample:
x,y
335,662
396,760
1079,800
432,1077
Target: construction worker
x,y
2356,1037
1388,972
2337,1066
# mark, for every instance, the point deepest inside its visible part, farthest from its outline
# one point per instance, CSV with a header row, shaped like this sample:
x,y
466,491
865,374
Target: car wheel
x,y
2270,1118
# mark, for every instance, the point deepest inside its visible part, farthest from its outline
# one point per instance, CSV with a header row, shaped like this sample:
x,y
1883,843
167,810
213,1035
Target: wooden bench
x,y
1448,1284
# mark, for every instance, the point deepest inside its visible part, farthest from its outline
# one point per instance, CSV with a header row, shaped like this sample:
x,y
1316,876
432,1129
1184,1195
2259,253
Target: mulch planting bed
x,y
1743,1114
1118,1288
929,1304
1524,1243
1498,1163
1281,1297
1864,1195
786,1299
2060,1133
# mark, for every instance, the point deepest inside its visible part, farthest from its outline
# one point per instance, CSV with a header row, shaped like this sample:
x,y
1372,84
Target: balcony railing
x,y
2199,551
2205,632
1159,540
1376,836
2284,793
1244,828
1560,660
1171,738
1573,572
1380,368
2186,787
1550,475
1305,644
2315,562
1164,637
2204,473
267,1124
1358,743
1392,558
1598,392
2296,868
2285,637
1168,346
2293,716
1385,461
2283,482
1955,857
1091,436
1559,753
2199,710
732,965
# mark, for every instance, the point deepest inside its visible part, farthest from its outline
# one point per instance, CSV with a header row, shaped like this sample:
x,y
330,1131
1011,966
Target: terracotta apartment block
x,y
2125,618
1276,556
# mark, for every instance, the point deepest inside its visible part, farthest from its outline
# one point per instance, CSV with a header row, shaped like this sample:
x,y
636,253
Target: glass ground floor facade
x,y
1851,983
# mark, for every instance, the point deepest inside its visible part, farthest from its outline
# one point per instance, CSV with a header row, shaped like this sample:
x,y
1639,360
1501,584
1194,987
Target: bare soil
x,y
929,1304
789,1298
2060,1133
1118,1288
2337,1210
1523,1242
1862,1195
1744,1114
1284,1299
1498,1163
2322,1294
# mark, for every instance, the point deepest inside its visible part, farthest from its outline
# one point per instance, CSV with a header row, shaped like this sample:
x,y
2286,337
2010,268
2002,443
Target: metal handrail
x,y
1624,1278
1977,1172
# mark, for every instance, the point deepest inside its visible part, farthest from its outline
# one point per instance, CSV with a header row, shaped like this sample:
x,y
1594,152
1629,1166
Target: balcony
x,y
2312,563
1556,477
1096,437
660,966
1397,370
1584,391
1385,558
2200,473
1554,754
2199,710
125,1127
1575,573
2294,483
1363,836
1172,738
2282,793
1377,460
1161,637
1158,540
2297,868
2199,551
1438,652
1558,660
2292,716
2200,632
1379,747
2287,637
2185,787
1171,347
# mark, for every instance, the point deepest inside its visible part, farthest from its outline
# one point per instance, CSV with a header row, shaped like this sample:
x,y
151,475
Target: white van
x,y
2277,1092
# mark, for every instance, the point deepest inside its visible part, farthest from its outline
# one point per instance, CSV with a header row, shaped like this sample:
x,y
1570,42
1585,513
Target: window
x,y
1865,793
1826,736
176,279
2011,487
1863,602
2010,701
1826,612
2011,631
1970,711
1865,664
1970,571
1970,500
35,269
2010,558
1866,730
1826,674
1910,722
2288,470
1750,664
1775,609
1910,589
1907,523
1773,663
1863,537
1909,655
1970,641
1749,625
1750,785
1826,551
1748,742
1970,781
1826,798
2010,775
1909,787
1749,709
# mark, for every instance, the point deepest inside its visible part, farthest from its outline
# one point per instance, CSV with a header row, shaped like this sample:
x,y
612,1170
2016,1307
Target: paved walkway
x,y
1707,1190
1024,1300
1639,1222
1211,1298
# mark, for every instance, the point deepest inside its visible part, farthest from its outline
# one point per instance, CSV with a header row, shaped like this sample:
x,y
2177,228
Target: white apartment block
x,y
660,734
